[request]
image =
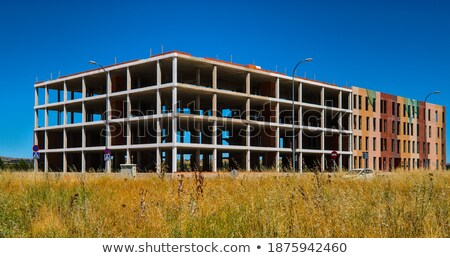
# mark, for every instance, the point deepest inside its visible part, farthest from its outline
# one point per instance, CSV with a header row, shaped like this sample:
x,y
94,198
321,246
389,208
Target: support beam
x,y
108,114
214,78
83,162
174,115
174,159
247,84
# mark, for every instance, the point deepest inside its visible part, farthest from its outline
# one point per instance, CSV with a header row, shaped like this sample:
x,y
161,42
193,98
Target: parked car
x,y
365,173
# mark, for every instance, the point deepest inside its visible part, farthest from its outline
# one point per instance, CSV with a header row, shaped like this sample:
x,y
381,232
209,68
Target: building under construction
x,y
175,112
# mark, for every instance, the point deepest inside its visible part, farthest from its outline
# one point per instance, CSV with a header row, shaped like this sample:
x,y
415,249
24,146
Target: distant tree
x,y
23,165
2,165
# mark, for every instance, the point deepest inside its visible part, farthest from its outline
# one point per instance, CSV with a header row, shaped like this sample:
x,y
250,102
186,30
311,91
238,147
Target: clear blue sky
x,y
399,47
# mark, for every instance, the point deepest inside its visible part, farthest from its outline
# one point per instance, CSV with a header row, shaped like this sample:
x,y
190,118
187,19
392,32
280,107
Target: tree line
x,y
22,165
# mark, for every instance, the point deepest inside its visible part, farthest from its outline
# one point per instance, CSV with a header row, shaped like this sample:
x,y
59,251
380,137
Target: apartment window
x,y
398,146
374,108
407,128
443,149
429,114
393,127
354,143
413,147
381,106
404,110
418,145
412,129
367,103
354,122
404,128
367,123
438,131
437,150
417,130
429,131
392,146
436,115
359,122
367,143
374,143
428,147
385,106
354,101
385,125
398,109
359,142
418,112
393,108
381,125
409,146
374,123
424,149
359,102
404,146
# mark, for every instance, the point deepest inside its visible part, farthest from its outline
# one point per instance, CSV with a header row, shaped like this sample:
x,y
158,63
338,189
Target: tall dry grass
x,y
414,204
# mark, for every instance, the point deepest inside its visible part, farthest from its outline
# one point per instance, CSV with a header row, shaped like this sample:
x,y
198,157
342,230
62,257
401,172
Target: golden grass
x,y
405,204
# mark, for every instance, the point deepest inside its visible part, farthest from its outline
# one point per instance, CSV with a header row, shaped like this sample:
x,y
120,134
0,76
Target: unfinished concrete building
x,y
182,113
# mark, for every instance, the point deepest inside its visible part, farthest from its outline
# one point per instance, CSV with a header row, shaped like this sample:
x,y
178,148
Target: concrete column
x,y
83,162
214,78
322,162
158,160
64,162
108,113
174,159
300,162
158,102
36,118
350,126
64,147
45,117
247,141
277,161
46,162
247,84
46,94
174,119
128,115
277,118
158,73
83,113
247,109
175,70
214,139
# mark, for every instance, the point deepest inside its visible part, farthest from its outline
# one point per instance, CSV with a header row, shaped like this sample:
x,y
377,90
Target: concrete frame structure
x,y
182,113
391,129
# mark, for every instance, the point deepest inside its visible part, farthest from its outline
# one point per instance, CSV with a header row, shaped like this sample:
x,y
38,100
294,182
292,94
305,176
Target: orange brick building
x,y
391,129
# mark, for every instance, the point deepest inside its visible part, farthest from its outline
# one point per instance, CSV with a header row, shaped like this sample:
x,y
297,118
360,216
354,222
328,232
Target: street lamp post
x,y
293,111
106,113
425,148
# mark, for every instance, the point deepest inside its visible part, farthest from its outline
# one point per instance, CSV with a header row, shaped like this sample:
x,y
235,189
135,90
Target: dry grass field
x,y
401,204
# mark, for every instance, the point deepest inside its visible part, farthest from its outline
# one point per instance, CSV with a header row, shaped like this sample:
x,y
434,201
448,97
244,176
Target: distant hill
x,y
10,160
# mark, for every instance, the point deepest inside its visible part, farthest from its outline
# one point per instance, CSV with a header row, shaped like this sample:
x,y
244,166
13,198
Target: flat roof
x,y
187,56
